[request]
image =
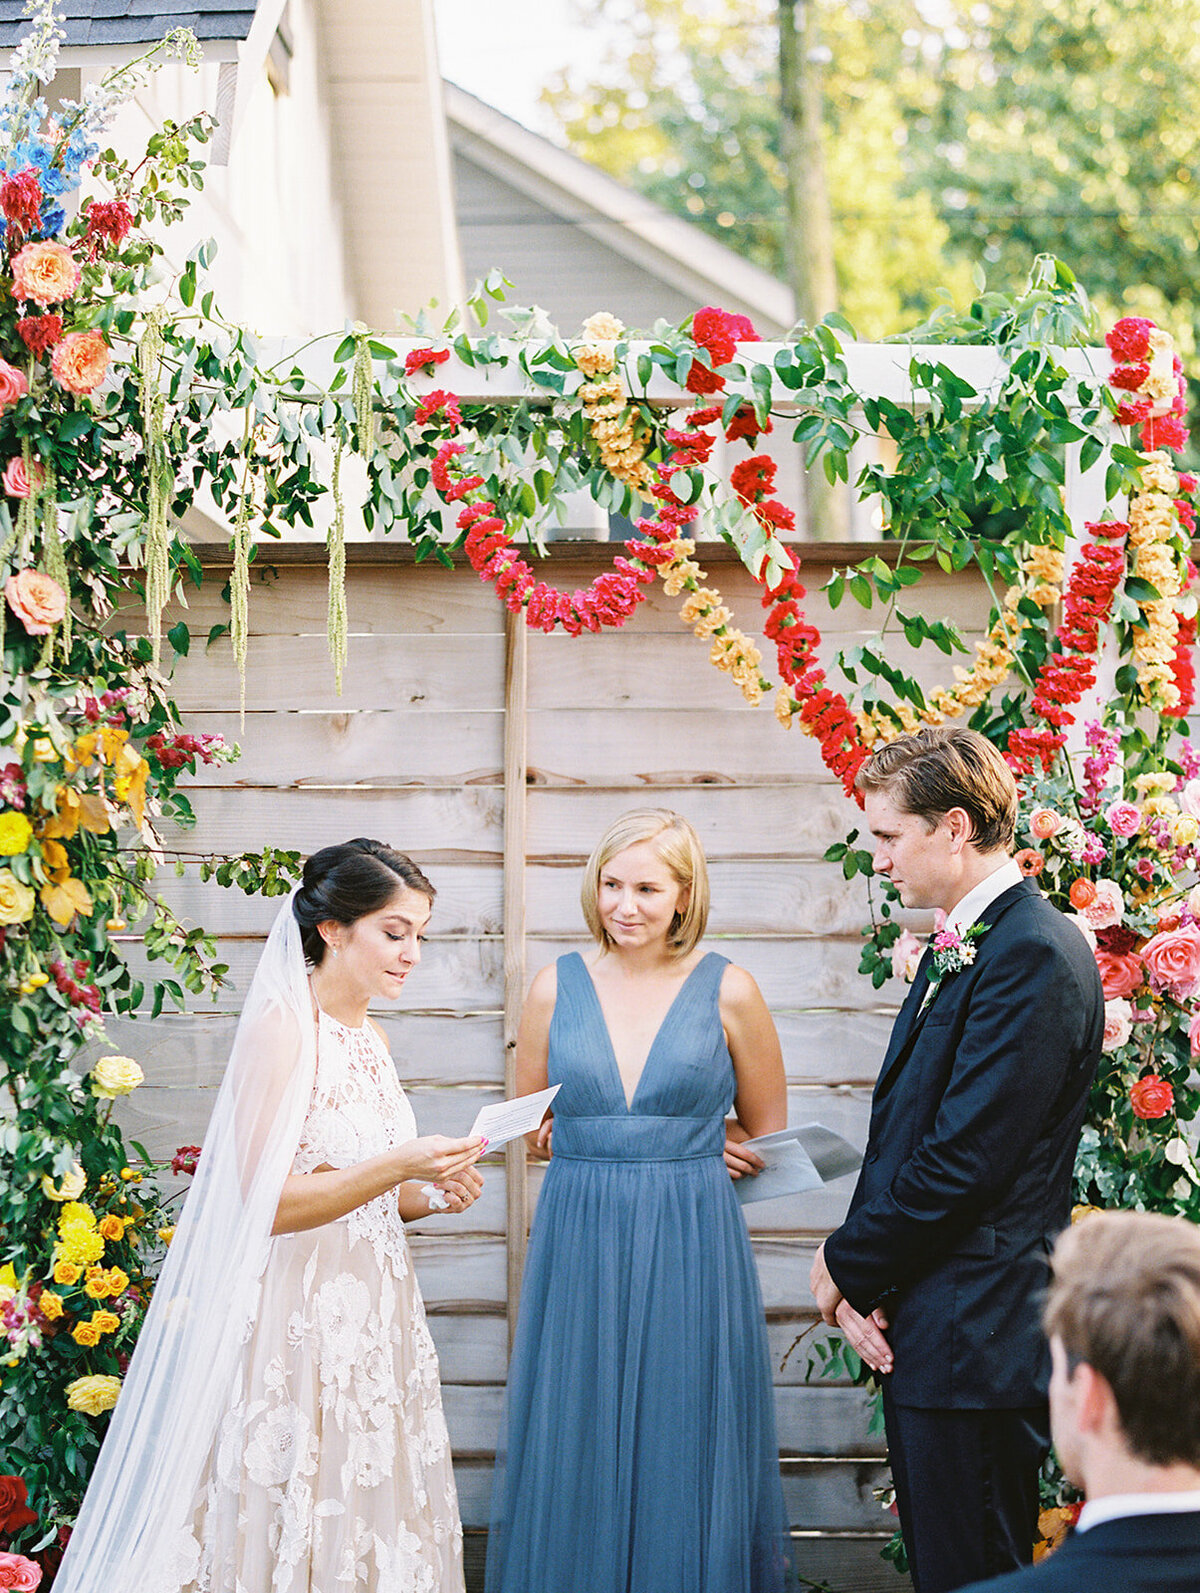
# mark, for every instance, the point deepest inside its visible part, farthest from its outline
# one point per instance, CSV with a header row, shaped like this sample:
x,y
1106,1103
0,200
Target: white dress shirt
x,y
965,912
1116,1506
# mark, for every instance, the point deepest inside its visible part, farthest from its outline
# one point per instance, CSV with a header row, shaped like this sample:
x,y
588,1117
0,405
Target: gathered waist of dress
x,y
638,1139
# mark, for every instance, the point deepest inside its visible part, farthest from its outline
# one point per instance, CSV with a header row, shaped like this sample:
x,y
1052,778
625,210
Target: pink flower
x,y
1120,973
19,1573
1124,818
12,385
1118,1024
36,599
1045,822
906,954
15,479
46,273
1189,798
424,359
1194,1034
1129,339
1151,1097
1108,907
1172,960
80,362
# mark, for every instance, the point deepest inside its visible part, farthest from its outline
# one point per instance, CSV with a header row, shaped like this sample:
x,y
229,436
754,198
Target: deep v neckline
x,y
629,1100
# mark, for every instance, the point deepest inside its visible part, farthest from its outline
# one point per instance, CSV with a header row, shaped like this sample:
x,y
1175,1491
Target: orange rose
x,y
80,362
36,599
111,1227
1151,1097
45,272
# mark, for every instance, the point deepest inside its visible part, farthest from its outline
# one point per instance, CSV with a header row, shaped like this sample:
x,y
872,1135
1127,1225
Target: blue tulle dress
x,y
640,1452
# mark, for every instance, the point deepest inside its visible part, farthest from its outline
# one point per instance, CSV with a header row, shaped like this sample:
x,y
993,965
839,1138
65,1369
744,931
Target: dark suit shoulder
x,y
1136,1554
1032,929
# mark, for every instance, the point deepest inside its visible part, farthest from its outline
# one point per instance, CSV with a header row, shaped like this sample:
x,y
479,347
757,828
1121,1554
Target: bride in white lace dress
x,y
318,1459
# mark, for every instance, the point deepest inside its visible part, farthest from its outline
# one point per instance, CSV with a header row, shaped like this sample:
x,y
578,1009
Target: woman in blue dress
x,y
640,1452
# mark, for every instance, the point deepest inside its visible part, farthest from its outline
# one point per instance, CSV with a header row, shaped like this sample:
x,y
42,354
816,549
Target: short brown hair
x,y
1126,1299
932,771
679,847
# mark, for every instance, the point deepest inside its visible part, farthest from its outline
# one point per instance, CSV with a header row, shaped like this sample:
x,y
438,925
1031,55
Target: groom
x,y
937,1272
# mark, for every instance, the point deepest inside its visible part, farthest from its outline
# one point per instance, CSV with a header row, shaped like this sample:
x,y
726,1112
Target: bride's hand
x,y
437,1158
462,1191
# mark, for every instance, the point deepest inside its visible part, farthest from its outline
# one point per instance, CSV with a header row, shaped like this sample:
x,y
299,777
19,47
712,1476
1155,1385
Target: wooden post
x,y
516,681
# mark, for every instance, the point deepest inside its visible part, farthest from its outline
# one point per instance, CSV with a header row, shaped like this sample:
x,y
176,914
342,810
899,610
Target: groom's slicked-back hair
x,y
934,770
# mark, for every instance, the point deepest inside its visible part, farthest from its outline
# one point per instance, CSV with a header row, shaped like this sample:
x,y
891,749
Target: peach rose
x,y
1045,822
18,1573
36,599
1118,1024
12,385
1120,973
1194,1033
80,362
45,272
1172,960
15,479
1107,907
906,954
1151,1097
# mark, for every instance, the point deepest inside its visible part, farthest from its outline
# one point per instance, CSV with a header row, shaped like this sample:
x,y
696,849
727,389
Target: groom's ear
x,y
959,828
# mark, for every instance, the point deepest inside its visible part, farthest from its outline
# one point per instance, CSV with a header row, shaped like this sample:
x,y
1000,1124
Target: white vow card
x,y
507,1120
796,1159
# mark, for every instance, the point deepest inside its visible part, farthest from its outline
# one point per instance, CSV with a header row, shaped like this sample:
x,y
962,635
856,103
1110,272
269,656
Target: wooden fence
x,y
496,758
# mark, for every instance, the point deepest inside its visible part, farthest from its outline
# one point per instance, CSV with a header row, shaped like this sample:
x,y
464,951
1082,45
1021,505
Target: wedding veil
x,y
134,1528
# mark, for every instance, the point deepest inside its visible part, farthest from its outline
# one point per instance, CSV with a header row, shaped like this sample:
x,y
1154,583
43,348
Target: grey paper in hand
x,y
797,1159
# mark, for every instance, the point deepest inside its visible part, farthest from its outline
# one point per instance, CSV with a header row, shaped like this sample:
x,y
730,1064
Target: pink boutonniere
x,y
951,953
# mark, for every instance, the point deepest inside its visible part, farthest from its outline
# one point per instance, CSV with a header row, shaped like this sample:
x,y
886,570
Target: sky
x,y
504,51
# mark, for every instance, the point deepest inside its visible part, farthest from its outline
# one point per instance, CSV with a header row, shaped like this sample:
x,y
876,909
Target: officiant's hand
x,y
825,1290
866,1335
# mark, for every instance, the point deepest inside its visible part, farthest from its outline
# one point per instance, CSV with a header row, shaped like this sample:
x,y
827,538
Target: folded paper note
x,y
796,1159
507,1120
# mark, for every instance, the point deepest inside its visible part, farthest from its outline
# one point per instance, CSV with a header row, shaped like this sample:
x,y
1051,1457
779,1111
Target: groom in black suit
x,y
1124,1324
937,1272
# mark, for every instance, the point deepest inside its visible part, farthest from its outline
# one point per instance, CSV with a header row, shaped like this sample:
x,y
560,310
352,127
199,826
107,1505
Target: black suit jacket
x,y
966,1180
1137,1554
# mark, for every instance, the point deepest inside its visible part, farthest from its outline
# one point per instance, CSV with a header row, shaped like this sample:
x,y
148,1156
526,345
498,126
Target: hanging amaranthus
x,y
239,579
335,541
363,386
159,477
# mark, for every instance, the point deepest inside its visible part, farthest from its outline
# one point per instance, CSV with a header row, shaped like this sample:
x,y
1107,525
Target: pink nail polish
x,y
484,1146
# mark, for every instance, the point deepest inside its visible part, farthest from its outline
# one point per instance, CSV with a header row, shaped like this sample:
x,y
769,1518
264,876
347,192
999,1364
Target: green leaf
x,y
180,638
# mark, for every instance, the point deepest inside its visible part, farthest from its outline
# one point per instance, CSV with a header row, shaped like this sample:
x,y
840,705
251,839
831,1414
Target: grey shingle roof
x,y
133,21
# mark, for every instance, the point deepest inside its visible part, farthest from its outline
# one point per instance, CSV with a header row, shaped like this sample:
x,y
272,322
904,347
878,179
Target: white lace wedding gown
x,y
332,1469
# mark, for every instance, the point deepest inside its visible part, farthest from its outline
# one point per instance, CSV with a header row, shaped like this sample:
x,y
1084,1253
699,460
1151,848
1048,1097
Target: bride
x,y
280,1428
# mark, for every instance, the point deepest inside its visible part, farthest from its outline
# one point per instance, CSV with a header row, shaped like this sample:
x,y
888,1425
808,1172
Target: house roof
x,y
674,250
118,22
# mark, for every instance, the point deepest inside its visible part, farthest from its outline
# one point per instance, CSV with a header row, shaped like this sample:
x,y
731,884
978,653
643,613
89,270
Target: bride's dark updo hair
x,y
346,883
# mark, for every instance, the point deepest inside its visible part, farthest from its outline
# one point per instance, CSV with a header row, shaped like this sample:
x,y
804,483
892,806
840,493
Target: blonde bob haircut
x,y
678,845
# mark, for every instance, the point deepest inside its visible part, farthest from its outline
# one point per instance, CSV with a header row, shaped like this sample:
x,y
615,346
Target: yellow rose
x,y
72,1186
97,1288
16,832
112,1228
1184,830
16,900
66,1273
86,1334
115,1075
118,1281
602,327
50,1305
93,1395
105,1321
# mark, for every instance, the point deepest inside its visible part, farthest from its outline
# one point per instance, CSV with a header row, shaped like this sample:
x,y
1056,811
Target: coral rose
x,y
17,901
12,385
1151,1097
1120,973
1045,822
46,273
14,1505
15,479
1172,960
1124,819
1108,906
1118,1024
36,599
93,1395
1029,861
80,362
115,1075
19,1573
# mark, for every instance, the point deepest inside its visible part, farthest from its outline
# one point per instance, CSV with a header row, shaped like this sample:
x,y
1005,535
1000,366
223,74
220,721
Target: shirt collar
x,y
967,911
1117,1506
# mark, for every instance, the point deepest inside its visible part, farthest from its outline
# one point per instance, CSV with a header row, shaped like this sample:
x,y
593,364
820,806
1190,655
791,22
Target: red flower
x,y
1187,482
1130,338
40,332
108,221
745,424
1151,1097
776,514
1130,376
717,332
1134,410
689,447
14,1505
185,1159
439,402
700,380
1164,431
751,478
1187,515
1183,668
21,200
424,359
